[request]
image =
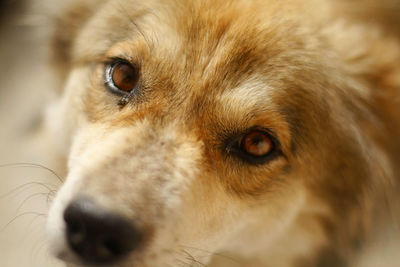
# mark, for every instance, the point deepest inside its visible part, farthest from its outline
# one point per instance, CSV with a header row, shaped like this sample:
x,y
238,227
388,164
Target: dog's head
x,y
202,126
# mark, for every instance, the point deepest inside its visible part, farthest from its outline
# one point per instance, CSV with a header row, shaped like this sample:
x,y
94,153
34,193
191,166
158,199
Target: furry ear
x,y
67,26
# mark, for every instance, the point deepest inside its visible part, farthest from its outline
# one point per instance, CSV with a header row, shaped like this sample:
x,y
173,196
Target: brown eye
x,y
121,77
257,144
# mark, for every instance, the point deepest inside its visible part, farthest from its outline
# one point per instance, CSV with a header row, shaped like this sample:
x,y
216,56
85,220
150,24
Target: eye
x,y
254,146
121,77
257,144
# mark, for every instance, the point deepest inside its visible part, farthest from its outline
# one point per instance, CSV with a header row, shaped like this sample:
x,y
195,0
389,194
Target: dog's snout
x,y
96,235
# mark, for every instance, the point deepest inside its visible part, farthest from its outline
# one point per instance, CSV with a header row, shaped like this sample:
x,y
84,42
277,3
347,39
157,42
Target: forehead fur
x,y
243,35
218,47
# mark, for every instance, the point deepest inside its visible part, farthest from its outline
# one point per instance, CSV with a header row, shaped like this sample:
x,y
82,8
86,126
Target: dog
x,y
225,133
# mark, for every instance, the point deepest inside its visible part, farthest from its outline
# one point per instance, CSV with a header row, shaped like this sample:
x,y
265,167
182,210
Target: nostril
x,y
74,227
97,235
112,246
76,231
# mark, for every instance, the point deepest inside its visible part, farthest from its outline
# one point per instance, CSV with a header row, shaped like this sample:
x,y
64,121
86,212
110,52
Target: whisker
x,y
19,216
32,165
27,198
192,258
39,244
47,186
50,194
213,254
42,215
182,263
36,249
28,231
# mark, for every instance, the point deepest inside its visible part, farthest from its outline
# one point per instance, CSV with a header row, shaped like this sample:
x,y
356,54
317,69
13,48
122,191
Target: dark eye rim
x,y
108,81
235,147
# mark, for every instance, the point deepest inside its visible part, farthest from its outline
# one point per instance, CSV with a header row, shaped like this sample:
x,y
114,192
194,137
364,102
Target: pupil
x,y
128,77
125,77
257,140
257,143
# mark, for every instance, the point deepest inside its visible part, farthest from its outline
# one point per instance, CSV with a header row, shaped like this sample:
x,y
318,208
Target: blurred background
x,y
25,85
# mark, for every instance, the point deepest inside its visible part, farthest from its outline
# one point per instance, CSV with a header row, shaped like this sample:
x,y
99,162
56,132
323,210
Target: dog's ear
x,y
67,25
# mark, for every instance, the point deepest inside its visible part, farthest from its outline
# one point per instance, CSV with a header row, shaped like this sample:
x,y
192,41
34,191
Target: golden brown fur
x,y
326,82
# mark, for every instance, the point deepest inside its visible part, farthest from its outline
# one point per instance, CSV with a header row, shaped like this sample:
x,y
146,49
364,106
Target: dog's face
x,y
196,127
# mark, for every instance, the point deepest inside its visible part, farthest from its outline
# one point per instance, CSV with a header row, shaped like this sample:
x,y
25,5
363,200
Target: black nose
x,y
96,235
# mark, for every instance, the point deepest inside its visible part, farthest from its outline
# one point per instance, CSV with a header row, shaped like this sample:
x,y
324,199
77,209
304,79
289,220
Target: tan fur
x,y
326,83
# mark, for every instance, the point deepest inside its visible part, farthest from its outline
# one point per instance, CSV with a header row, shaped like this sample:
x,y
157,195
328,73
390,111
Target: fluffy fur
x,y
323,78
